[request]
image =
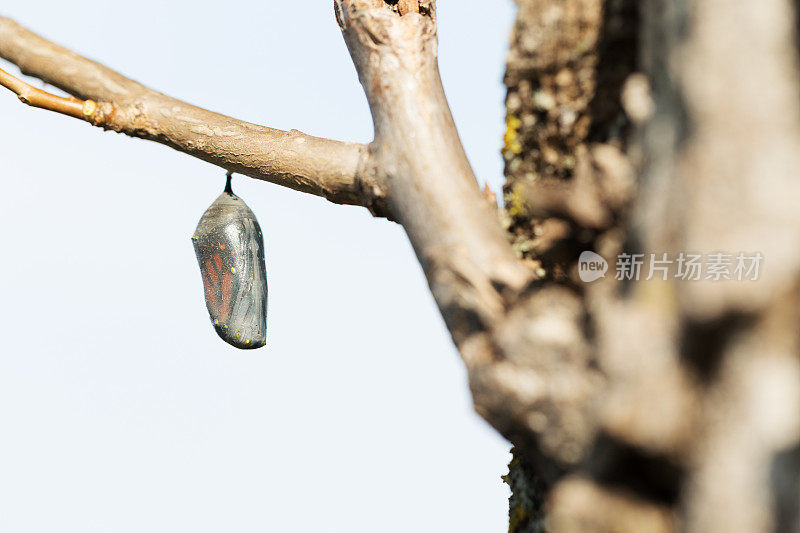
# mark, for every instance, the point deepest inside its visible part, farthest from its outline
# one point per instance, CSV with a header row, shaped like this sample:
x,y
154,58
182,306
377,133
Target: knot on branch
x,y
404,7
382,22
426,8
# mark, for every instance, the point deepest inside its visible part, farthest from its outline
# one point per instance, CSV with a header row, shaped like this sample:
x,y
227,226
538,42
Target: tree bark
x,y
698,428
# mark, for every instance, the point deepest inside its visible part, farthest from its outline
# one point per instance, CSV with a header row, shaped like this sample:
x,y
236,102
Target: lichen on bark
x,y
565,127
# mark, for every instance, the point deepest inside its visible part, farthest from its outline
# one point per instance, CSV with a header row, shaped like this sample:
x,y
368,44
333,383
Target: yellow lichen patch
x,y
515,200
511,138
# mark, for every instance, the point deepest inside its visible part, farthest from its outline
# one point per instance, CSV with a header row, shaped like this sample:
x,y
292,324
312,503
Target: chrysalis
x,y
230,251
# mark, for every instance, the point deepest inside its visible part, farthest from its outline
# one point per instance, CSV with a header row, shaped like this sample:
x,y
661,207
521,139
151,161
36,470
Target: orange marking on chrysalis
x,y
227,286
218,261
212,274
212,298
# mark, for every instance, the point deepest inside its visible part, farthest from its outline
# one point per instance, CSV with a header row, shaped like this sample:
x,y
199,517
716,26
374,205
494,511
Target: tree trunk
x,y
665,127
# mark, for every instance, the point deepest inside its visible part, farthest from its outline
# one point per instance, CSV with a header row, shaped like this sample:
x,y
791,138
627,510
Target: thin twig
x,y
34,97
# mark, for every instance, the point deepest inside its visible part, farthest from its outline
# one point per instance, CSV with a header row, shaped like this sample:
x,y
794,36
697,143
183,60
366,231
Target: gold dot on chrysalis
x,y
247,341
233,271
216,322
238,334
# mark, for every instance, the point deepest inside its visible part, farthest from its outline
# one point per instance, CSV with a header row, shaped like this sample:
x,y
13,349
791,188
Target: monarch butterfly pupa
x,y
230,250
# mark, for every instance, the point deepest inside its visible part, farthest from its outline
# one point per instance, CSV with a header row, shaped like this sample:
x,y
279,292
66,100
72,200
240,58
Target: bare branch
x,y
42,99
502,326
323,167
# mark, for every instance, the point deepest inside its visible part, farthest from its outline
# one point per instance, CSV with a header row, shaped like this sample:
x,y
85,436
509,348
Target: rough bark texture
x,y
698,428
652,126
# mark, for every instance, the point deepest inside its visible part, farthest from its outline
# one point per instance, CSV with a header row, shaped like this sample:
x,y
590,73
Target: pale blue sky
x,y
120,409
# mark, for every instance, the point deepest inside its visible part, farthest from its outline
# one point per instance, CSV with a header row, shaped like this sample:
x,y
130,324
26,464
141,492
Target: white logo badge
x,y
591,267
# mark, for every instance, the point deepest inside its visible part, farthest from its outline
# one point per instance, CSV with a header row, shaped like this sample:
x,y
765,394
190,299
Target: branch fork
x,y
414,172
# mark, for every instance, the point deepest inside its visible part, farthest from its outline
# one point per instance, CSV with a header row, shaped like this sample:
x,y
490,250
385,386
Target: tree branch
x,y
42,99
524,346
431,187
323,167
